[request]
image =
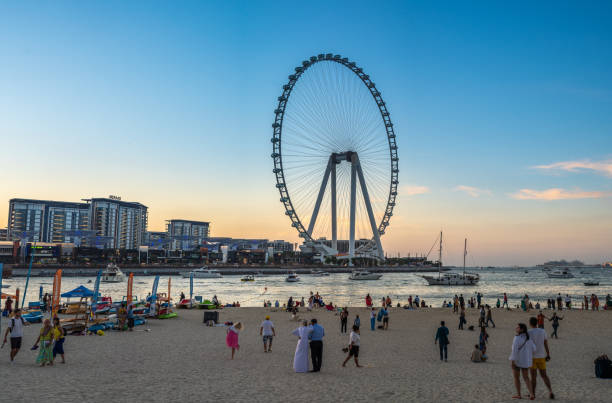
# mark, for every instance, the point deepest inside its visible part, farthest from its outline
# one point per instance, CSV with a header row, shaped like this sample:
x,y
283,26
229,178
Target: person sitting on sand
x,y
522,359
476,354
215,301
231,339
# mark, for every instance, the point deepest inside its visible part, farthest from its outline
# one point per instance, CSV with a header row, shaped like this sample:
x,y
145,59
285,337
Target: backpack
x,y
603,367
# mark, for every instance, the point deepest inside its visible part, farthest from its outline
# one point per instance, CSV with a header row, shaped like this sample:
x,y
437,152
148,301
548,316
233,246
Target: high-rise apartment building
x,y
45,220
124,223
187,234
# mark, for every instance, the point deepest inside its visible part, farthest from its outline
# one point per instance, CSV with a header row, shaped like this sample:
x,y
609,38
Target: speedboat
x,y
560,274
591,283
319,273
292,278
202,272
248,277
453,279
364,275
112,274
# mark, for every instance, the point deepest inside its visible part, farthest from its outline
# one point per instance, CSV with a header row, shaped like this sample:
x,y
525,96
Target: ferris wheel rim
x,y
276,140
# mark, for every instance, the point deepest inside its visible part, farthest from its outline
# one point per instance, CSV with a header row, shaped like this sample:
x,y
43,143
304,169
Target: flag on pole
x,y
57,287
129,289
1,269
191,289
154,290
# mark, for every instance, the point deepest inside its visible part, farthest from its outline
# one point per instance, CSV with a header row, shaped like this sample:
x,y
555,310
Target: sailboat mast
x,y
440,256
464,254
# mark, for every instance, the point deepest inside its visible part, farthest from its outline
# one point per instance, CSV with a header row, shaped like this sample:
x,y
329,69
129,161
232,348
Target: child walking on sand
x,y
58,348
232,337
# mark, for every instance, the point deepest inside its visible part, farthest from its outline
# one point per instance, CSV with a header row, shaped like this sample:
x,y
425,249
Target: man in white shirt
x,y
540,356
267,331
15,327
354,342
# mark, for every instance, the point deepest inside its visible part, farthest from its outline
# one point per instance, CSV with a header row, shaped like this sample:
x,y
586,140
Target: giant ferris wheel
x,y
335,156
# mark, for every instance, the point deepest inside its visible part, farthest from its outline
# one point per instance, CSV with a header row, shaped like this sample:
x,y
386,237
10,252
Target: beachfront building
x,y
124,224
280,246
187,234
3,234
46,220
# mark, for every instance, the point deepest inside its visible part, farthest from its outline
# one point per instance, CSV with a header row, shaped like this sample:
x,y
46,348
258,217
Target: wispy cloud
x,y
413,190
472,191
558,194
601,167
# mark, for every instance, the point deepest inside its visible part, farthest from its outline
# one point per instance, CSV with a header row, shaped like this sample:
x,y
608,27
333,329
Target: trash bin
x,y
211,315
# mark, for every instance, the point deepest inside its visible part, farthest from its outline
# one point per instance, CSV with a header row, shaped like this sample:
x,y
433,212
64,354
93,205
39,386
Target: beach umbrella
x,y
80,291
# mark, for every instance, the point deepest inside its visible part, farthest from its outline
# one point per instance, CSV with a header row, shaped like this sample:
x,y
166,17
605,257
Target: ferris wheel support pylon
x,y
334,223
366,198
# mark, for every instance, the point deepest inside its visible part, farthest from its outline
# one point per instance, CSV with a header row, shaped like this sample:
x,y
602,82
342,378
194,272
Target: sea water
x,y
342,291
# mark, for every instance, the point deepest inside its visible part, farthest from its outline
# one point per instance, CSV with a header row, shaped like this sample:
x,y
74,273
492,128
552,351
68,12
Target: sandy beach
x,y
183,360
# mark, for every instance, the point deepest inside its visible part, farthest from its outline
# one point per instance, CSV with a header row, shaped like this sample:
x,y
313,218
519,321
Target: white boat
x,y
560,273
202,272
453,278
112,274
364,275
319,273
248,277
292,278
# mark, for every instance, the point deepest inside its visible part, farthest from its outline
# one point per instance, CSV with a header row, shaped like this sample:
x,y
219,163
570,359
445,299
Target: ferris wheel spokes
x,y
356,174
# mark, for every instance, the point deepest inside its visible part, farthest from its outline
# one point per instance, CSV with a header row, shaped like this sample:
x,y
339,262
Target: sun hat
x,y
267,317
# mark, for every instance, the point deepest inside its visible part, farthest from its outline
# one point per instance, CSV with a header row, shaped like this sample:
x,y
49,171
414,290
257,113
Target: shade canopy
x,y
80,291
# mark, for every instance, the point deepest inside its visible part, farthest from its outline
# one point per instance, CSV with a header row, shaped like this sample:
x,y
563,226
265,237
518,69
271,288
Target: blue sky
x,y
170,104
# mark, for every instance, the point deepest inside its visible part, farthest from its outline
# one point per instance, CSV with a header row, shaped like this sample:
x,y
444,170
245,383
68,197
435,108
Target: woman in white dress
x,y
300,359
522,359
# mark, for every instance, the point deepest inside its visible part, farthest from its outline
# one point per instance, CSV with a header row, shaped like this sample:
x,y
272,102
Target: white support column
x,y
315,212
352,209
333,207
366,197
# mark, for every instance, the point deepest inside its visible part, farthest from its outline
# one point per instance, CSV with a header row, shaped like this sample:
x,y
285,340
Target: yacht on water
x,y
319,273
453,278
560,273
364,275
202,272
112,274
292,278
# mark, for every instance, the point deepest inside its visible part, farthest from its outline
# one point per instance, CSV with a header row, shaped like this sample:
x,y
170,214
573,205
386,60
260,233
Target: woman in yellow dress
x,y
46,336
